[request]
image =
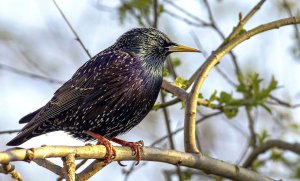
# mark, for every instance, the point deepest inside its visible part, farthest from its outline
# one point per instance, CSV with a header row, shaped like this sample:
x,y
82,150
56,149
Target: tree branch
x,y
295,148
69,167
191,103
8,168
207,164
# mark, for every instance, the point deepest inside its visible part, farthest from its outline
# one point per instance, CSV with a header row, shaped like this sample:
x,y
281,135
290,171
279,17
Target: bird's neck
x,y
153,67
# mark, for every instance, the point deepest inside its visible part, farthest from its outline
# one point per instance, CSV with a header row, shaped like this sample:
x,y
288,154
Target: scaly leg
x,y
135,146
110,150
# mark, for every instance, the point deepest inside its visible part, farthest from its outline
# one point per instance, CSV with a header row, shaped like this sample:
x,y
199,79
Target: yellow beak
x,y
182,48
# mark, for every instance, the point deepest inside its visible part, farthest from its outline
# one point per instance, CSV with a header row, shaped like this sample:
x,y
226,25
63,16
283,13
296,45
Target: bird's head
x,y
149,44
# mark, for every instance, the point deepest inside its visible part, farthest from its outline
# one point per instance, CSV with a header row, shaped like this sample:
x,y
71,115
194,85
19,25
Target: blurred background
x,y
38,52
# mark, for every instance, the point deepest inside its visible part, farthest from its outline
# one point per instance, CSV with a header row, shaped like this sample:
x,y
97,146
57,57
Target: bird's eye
x,y
167,44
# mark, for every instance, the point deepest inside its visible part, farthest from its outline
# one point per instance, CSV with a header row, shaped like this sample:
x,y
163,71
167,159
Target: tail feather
x,y
29,117
21,138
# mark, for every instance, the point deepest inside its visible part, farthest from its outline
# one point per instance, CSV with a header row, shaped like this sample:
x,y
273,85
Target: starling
x,y
110,94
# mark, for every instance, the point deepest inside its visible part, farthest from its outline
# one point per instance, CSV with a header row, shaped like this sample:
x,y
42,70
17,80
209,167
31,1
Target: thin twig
x,y
251,123
295,148
10,131
196,18
91,170
133,168
50,166
28,74
72,29
169,131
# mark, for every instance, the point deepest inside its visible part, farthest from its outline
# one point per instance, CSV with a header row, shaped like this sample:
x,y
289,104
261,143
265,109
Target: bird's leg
x,y
135,146
110,150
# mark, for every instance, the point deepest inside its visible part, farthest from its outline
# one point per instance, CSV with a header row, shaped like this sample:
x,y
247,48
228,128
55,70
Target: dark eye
x,y
167,44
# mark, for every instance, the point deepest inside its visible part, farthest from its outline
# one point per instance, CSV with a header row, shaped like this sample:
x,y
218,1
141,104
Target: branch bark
x,y
191,104
207,164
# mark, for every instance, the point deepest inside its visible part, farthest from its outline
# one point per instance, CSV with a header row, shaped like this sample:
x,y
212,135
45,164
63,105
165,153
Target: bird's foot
x,y
136,147
110,150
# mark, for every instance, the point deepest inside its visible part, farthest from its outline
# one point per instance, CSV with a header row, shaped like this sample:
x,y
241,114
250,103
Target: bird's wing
x,y
95,75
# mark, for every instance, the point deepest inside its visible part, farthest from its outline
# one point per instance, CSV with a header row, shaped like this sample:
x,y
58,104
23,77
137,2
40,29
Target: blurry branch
x,y
72,29
91,170
181,129
50,166
134,168
289,10
295,148
207,164
251,122
282,103
195,18
191,103
8,168
29,74
155,14
169,131
10,131
187,21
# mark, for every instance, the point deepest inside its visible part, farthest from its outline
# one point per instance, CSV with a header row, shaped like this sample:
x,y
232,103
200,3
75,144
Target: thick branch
x,y
208,165
191,104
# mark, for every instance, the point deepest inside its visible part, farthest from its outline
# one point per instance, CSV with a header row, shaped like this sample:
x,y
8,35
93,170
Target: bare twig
x,y
196,18
72,29
251,127
50,166
10,131
28,74
169,131
282,103
91,170
295,148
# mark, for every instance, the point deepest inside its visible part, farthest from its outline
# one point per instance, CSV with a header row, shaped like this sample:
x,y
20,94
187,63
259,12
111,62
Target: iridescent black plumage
x,y
109,94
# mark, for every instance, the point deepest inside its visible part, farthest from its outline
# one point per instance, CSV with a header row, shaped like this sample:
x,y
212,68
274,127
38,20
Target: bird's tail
x,y
26,133
20,138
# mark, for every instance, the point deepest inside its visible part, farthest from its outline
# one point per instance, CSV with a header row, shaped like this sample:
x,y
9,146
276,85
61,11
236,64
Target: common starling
x,y
110,94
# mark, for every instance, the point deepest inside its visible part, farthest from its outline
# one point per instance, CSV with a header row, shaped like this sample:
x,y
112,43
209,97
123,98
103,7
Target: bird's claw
x,y
136,148
110,150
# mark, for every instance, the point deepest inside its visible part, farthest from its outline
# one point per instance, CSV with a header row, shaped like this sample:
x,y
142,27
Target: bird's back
x,y
109,94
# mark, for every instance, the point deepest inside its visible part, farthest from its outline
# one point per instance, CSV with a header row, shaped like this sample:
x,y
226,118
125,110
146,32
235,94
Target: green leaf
x,y
200,96
297,173
156,106
166,72
183,105
263,136
213,97
187,176
181,82
276,155
230,111
257,164
225,97
176,62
